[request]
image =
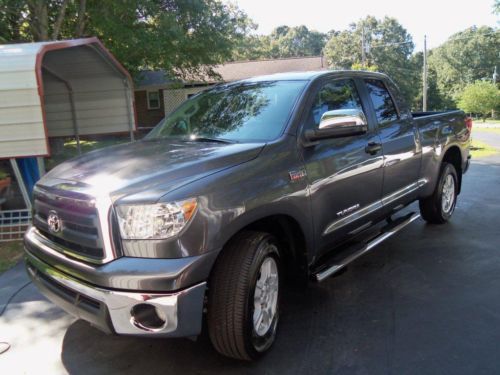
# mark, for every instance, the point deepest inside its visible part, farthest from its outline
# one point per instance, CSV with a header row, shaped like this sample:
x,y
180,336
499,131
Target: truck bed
x,y
418,115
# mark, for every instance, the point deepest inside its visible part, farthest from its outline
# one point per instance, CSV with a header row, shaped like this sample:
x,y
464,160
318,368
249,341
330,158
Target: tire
x,y
232,299
438,208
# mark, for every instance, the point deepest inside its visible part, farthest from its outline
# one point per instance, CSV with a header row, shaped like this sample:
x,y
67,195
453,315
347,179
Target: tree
x,y
464,58
283,42
185,38
480,97
12,27
296,42
389,48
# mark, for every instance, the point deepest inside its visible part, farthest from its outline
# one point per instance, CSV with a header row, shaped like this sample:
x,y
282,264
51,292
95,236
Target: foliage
x,y
283,42
368,68
3,174
182,37
464,58
296,41
481,97
389,48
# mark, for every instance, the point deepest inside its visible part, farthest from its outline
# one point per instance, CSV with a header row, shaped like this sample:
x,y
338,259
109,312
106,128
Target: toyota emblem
x,y
54,222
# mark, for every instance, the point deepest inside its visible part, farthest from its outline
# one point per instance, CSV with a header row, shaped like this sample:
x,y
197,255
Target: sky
x,y
438,19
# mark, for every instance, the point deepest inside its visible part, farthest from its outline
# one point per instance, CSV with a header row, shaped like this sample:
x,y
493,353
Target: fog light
x,y
148,317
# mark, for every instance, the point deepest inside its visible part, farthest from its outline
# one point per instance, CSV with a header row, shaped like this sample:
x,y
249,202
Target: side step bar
x,y
393,227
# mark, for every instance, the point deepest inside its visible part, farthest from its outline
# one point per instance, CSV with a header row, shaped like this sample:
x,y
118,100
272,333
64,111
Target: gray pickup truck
x,y
288,177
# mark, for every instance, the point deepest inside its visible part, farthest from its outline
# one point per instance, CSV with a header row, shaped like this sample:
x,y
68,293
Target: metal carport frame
x,y
60,89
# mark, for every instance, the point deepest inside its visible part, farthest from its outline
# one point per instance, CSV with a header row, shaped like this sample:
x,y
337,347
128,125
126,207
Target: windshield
x,y
250,111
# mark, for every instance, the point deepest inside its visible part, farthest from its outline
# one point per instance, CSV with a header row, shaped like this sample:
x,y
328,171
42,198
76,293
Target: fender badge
x,y
297,175
348,210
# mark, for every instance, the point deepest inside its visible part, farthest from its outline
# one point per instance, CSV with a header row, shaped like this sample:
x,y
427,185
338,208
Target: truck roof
x,y
308,76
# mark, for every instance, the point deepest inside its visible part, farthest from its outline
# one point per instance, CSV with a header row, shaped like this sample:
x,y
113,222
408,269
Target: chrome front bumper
x,y
113,311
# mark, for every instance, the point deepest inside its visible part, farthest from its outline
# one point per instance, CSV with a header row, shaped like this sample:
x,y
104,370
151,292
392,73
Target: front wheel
x,y
438,208
243,299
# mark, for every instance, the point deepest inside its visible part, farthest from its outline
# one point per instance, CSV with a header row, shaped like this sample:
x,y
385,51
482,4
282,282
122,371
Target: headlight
x,y
155,221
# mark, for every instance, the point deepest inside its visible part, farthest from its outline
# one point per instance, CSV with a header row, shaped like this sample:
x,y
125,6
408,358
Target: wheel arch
x,y
291,236
453,155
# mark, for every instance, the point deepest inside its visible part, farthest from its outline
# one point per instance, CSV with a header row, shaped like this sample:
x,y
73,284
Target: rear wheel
x,y
243,300
439,207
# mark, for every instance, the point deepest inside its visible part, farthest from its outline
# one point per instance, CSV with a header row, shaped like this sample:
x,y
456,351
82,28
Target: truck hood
x,y
146,170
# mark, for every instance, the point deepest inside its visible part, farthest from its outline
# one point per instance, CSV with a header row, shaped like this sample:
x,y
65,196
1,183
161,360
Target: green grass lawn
x,y
480,150
10,254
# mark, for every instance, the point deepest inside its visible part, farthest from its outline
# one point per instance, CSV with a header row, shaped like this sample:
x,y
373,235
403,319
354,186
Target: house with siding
x,y
157,96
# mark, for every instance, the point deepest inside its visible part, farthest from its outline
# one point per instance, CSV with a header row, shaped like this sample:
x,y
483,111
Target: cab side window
x,y
333,96
383,105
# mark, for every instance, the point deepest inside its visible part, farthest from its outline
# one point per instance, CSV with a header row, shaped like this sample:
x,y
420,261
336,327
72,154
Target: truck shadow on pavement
x,y
87,350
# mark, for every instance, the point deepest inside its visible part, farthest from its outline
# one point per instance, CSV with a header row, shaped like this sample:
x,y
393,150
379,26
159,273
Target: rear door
x,y
345,180
400,145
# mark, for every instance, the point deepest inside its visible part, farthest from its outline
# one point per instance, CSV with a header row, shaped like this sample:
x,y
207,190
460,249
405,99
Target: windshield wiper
x,y
209,139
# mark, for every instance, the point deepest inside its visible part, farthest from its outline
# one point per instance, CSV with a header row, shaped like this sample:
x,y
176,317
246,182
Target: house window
x,y
153,99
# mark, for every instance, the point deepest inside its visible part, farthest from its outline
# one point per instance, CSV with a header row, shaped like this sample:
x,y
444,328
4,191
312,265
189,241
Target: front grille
x,y
80,230
67,294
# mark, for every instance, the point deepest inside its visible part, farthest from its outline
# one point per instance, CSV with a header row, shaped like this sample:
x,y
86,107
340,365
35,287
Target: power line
x,y
391,44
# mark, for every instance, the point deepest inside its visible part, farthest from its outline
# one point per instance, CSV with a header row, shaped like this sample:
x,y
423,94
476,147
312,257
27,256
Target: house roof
x,y
152,78
238,70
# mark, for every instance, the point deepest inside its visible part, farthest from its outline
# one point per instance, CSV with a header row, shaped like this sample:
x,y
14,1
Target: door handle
x,y
372,148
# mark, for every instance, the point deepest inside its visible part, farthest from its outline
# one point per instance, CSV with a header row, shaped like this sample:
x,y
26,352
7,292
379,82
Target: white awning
x,y
61,88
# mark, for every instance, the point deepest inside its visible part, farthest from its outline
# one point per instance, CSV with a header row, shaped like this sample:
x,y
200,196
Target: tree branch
x,y
39,19
80,22
59,20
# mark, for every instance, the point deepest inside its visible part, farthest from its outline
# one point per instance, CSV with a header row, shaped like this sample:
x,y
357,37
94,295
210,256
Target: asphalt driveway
x,y
427,301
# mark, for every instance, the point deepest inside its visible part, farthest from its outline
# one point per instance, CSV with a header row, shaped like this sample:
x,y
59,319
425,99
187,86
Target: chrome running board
x,y
392,228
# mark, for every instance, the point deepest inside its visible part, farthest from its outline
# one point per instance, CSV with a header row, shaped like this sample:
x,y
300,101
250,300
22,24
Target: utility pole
x,y
363,51
424,78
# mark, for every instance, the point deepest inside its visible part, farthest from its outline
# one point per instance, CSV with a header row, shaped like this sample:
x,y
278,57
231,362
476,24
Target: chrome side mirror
x,y
342,118
337,124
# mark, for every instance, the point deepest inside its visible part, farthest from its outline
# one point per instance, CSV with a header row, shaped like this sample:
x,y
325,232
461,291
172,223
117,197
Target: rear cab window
x,y
383,105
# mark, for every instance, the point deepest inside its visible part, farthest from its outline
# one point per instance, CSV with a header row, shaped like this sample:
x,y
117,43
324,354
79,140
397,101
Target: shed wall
x,y
21,120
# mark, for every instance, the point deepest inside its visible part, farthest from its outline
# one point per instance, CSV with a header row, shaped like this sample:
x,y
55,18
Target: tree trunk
x,y
80,22
39,20
59,20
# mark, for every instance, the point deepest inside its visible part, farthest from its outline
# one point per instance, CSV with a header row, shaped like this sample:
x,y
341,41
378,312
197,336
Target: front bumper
x,y
111,311
117,304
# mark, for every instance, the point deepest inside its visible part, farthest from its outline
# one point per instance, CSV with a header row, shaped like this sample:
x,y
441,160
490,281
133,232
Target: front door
x,y
345,180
